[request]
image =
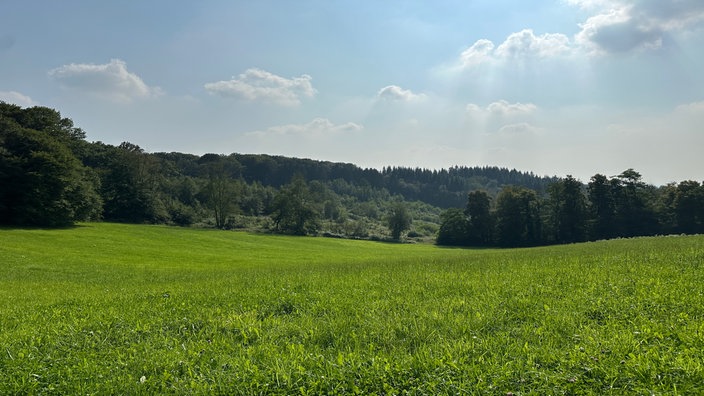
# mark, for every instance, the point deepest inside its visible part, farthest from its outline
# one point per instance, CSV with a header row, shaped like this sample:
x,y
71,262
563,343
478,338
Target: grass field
x,y
125,309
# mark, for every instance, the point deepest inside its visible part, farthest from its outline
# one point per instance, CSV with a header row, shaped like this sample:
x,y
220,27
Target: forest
x,y
51,176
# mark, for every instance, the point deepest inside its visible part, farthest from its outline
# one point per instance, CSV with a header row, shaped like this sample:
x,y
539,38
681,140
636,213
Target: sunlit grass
x,y
105,309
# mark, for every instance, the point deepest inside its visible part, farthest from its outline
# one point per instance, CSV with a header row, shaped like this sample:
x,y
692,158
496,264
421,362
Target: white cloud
x,y
260,85
588,4
520,45
502,108
111,80
505,108
396,93
626,25
503,119
477,54
526,44
17,98
319,127
616,26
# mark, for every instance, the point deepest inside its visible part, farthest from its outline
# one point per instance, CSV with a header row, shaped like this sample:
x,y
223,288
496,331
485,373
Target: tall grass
x,y
123,309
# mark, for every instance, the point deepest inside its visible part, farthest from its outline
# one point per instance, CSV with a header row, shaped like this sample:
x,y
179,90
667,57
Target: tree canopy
x,y
51,176
43,183
398,220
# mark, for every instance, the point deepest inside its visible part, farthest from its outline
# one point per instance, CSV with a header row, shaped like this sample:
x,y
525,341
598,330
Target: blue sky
x,y
555,87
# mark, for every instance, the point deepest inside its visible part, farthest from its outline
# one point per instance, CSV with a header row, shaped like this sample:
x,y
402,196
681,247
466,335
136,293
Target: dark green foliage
x,y
689,207
480,221
622,206
131,180
681,207
398,220
294,211
221,190
453,228
43,183
256,199
634,213
50,175
442,188
603,207
517,217
568,207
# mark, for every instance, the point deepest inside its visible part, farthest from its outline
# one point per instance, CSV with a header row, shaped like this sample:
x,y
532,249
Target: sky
x,y
554,87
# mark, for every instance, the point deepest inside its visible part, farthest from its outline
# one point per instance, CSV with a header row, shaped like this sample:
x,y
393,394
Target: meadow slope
x,y
127,309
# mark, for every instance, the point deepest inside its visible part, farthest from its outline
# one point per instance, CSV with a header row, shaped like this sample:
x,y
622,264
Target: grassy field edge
x,y
123,309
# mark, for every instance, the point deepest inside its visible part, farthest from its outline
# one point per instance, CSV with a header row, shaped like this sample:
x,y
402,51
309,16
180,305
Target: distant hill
x,y
443,188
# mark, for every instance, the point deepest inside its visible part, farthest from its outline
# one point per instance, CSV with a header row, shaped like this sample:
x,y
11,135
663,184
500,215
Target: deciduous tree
x,y
221,191
689,207
517,217
480,221
43,183
567,210
453,228
398,220
293,210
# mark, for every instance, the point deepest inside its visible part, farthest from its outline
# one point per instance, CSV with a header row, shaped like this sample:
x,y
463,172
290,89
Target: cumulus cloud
x,y
616,31
318,127
396,93
261,85
111,80
526,44
17,98
520,45
615,26
626,25
477,54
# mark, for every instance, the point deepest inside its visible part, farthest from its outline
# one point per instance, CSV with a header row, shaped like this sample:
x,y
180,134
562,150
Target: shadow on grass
x,y
448,247
13,227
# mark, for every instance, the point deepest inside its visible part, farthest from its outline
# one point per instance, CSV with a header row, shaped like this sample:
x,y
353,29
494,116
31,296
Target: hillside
x,y
442,188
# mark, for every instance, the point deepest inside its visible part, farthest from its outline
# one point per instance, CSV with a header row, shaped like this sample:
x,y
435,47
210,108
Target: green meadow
x,y
127,309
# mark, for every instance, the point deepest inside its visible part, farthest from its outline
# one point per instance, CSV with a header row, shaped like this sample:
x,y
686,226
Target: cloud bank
x,y
615,26
262,86
503,118
396,93
616,31
318,127
625,25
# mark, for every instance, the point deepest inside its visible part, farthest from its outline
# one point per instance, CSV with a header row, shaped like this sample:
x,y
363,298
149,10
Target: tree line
x,y
569,211
50,175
